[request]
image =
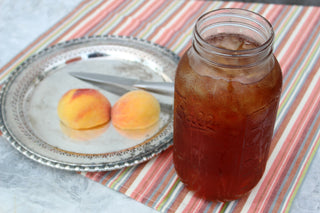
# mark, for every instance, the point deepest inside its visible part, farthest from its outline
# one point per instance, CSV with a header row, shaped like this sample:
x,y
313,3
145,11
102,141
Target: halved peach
x,y
136,109
84,109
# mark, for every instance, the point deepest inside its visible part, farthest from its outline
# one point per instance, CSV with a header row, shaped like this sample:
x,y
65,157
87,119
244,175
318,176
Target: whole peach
x,y
136,109
84,108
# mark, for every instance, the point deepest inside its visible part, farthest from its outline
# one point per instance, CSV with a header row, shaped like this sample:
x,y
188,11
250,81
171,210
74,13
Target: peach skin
x,y
136,109
84,109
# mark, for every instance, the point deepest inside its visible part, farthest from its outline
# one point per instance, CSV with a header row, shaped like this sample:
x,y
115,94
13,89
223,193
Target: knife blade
x,y
163,88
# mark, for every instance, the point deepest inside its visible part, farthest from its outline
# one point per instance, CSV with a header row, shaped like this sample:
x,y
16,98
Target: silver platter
x,y
30,95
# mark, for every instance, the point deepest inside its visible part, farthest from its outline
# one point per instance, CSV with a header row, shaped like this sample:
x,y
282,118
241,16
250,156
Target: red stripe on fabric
x,y
109,176
135,22
272,14
135,189
303,153
177,201
153,199
293,108
192,8
293,51
156,31
128,183
146,194
99,175
224,5
300,62
144,190
200,203
108,18
116,177
306,165
180,25
89,174
187,25
112,31
281,155
156,13
58,39
285,151
155,174
288,34
96,19
278,21
297,140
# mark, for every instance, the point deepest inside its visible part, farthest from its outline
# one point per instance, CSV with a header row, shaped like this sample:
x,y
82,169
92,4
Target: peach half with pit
x,y
136,109
84,108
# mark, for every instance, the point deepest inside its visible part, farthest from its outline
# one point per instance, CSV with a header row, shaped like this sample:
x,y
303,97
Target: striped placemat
x,y
169,23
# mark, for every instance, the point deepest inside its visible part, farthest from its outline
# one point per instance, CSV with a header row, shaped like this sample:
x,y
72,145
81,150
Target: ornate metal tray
x,y
29,99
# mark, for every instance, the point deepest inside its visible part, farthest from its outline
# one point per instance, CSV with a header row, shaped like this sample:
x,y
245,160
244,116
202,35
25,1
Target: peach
x,y
84,109
137,109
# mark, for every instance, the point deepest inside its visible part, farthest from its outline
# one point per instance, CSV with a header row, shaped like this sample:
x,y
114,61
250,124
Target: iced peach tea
x,y
223,123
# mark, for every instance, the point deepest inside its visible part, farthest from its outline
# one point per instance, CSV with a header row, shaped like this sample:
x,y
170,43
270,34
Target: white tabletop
x,y
27,186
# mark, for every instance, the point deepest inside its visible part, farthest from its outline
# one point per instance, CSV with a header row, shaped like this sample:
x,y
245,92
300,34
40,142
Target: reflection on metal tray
x,y
30,96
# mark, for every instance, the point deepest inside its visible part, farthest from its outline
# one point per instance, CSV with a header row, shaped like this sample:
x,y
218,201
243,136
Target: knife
x,y
163,88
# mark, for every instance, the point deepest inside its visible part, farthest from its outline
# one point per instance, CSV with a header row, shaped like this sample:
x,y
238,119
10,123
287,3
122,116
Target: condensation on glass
x,y
227,91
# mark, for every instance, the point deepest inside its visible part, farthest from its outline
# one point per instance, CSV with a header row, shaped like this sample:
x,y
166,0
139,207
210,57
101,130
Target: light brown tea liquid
x,y
223,125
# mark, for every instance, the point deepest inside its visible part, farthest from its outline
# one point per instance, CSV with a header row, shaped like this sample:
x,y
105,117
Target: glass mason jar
x,y
227,91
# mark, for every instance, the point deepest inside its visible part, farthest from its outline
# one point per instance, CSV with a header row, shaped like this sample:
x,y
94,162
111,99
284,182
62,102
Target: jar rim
x,y
244,14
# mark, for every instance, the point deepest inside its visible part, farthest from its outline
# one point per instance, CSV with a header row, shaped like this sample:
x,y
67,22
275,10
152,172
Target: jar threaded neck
x,y
238,22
